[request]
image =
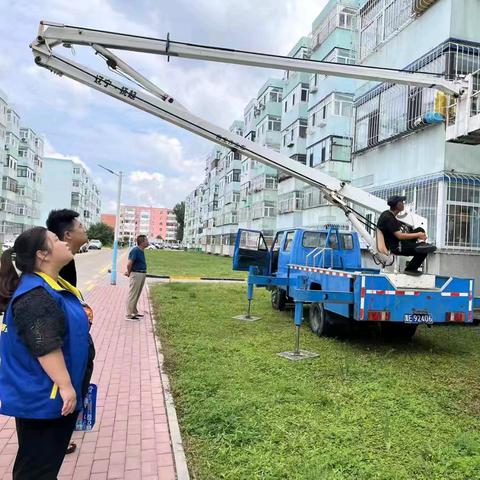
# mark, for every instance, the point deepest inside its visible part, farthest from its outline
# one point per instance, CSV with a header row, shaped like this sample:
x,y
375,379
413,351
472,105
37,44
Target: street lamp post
x,y
113,277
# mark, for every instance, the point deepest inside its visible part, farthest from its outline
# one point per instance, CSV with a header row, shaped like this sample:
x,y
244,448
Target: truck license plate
x,y
418,318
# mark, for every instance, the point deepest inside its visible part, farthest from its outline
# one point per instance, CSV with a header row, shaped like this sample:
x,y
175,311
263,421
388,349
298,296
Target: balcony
x,y
290,202
264,182
263,209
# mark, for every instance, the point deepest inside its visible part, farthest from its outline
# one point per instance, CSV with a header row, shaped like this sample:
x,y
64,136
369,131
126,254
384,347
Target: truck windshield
x,y
318,240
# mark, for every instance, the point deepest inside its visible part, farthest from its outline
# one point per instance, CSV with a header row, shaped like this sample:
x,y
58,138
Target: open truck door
x,y
251,250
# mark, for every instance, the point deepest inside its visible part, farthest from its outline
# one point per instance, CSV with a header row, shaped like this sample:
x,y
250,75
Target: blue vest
x,y
26,391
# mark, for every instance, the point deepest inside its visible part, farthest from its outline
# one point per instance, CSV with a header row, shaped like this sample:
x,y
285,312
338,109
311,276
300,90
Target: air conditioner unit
x,y
322,123
313,89
262,106
24,140
291,144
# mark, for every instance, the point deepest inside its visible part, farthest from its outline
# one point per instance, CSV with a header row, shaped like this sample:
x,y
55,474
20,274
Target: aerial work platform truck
x,y
318,267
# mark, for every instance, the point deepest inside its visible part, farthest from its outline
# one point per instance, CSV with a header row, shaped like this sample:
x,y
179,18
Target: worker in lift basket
x,y
401,243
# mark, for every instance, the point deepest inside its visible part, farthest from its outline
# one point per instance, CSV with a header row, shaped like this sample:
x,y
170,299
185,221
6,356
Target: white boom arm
x,y
162,105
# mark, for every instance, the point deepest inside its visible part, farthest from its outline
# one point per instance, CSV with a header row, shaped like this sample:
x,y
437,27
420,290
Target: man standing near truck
x,y
137,272
400,242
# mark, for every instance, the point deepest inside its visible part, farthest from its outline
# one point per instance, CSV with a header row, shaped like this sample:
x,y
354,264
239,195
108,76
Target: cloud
x,y
155,189
84,124
51,152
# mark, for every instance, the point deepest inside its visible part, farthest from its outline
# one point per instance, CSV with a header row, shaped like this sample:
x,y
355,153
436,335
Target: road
x,y
93,266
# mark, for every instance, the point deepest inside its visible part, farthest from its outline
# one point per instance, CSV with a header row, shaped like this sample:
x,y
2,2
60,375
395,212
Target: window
x,y
288,241
340,55
276,242
10,162
379,20
345,20
293,100
414,107
304,97
323,155
275,96
274,124
9,184
314,239
252,241
302,131
347,240
342,108
21,171
285,106
331,148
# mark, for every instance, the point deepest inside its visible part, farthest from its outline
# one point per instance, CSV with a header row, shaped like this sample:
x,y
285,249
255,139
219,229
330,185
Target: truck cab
x,y
325,248
328,248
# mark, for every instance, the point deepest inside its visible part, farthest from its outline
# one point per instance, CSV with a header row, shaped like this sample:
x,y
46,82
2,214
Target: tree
x,y
102,232
179,210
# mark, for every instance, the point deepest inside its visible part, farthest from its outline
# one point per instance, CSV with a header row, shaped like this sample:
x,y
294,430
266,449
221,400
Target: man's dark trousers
x,y
408,248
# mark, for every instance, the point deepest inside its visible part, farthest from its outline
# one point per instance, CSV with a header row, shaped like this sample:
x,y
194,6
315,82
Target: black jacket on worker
x,y
389,225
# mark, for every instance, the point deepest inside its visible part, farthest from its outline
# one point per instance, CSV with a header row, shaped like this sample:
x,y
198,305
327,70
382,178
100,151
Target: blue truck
x,y
323,268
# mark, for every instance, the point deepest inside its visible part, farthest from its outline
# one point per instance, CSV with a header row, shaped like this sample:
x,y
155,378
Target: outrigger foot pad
x,y
246,318
298,355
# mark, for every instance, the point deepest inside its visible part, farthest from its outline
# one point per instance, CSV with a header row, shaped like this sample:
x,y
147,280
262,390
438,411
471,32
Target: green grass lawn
x,y
364,410
197,264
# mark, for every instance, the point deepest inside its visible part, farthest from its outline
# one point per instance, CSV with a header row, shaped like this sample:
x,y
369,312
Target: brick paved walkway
x,y
131,438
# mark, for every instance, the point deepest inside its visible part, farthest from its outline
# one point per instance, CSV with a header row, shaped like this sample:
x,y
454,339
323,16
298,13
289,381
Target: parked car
x,y
94,244
8,244
83,248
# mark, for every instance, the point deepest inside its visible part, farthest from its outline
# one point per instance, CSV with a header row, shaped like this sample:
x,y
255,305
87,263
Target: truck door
x,y
251,250
275,252
285,254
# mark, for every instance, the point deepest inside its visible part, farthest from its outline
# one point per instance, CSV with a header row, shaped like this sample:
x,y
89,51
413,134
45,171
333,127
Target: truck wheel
x,y
320,323
279,298
397,331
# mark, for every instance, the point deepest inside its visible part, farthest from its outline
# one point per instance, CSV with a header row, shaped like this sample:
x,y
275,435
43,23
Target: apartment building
x,y
155,223
21,158
109,219
225,216
330,108
68,184
193,227
371,133
395,150
258,182
294,138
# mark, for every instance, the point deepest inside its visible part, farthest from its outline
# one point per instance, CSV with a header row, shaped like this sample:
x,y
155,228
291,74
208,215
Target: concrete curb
x,y
181,467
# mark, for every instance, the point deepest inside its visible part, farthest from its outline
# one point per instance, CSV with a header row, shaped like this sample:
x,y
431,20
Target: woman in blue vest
x,y
43,352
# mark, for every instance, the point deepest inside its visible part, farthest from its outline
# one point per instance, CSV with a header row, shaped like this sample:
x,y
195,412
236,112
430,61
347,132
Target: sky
x,y
162,163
